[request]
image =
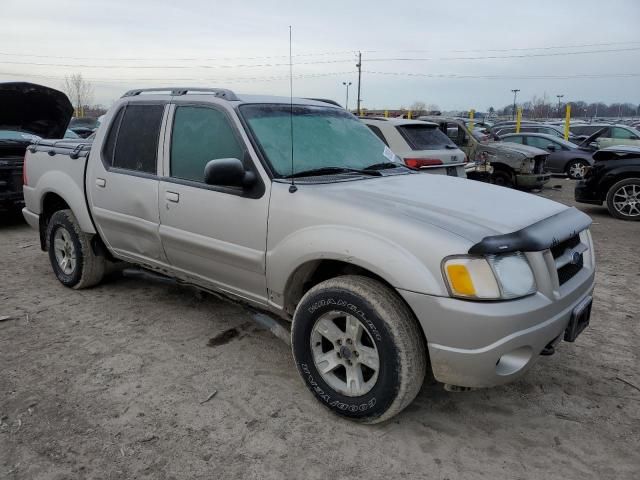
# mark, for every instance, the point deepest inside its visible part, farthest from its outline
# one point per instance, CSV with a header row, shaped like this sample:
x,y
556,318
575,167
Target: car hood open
x,y
33,108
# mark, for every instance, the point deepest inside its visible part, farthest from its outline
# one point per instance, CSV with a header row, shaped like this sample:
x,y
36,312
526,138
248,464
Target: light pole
x,y
559,105
515,94
346,103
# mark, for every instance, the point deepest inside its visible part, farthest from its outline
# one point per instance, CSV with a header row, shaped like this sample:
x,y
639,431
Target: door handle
x,y
172,196
101,182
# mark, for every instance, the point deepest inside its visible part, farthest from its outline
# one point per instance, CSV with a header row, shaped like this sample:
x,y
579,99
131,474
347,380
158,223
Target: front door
x,y
122,182
214,235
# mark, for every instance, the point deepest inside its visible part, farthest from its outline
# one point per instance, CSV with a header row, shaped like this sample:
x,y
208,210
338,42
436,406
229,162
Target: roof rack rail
x,y
176,91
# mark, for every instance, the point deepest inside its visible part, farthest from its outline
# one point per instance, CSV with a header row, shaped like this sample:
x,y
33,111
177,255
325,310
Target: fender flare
x,y
388,260
51,181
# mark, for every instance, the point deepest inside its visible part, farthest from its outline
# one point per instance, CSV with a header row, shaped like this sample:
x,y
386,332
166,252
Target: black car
x,y
28,112
614,179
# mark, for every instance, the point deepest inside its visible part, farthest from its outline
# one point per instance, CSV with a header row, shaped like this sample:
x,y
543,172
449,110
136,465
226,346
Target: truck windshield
x,y
323,138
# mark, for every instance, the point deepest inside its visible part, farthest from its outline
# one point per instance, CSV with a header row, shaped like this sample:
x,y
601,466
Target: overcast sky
x,y
122,44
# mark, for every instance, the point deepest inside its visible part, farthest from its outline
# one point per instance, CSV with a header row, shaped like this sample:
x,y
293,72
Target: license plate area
x,y
580,318
452,171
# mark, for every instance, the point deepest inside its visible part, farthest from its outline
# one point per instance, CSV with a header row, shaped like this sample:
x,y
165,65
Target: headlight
x,y
493,277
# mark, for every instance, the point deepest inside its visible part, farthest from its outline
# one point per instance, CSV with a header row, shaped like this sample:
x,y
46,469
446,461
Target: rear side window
x,y
110,144
137,143
378,133
199,135
513,139
425,137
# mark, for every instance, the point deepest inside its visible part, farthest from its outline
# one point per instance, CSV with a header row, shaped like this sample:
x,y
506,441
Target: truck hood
x,y
33,108
510,147
470,209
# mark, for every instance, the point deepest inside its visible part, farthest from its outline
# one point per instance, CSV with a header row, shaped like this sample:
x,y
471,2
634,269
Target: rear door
x,y
122,183
215,236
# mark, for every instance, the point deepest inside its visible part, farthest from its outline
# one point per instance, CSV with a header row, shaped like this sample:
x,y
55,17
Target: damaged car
x,y
28,112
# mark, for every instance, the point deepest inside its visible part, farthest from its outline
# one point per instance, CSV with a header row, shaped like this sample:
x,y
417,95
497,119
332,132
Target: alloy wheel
x,y
344,353
64,250
626,200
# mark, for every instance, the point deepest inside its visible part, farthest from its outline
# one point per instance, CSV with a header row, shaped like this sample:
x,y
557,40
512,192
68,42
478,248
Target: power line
x,y
324,62
317,54
192,79
508,77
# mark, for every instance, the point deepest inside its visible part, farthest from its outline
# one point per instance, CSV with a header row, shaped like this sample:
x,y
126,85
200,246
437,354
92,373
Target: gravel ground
x,y
108,383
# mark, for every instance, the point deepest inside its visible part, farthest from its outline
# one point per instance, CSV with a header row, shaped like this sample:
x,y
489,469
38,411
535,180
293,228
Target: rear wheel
x,y
623,199
73,260
576,169
358,348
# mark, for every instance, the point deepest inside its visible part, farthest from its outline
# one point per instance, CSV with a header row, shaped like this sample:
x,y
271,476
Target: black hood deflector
x,y
539,236
33,108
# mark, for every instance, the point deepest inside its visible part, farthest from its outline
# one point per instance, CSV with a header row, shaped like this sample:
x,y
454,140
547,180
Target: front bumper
x,y
585,193
532,180
483,344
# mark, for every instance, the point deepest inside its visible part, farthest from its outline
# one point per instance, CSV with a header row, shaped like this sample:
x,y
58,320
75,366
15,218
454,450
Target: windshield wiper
x,y
384,166
330,170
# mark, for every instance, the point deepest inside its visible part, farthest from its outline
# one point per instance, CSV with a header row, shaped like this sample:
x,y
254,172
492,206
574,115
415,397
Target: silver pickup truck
x,y
300,210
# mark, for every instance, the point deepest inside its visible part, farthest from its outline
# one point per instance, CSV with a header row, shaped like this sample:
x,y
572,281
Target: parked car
x,y
530,128
383,271
71,134
27,113
513,165
564,156
613,135
614,179
420,145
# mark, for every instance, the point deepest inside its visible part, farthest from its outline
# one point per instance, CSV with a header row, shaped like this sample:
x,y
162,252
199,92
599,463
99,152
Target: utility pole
x,y
359,65
346,102
559,105
515,94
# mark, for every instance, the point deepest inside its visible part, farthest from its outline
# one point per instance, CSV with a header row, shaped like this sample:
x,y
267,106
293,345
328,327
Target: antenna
x,y
292,188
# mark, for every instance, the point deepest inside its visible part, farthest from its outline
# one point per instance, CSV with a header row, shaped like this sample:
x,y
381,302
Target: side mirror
x,y
551,148
228,172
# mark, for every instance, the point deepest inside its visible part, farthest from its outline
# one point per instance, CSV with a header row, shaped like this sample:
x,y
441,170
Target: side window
x,y
513,139
110,143
200,134
453,132
137,144
621,133
539,142
378,133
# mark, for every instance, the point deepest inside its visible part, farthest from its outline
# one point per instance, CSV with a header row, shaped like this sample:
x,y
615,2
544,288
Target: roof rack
x,y
176,91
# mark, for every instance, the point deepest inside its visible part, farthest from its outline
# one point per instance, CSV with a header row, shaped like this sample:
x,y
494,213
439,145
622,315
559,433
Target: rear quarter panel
x,y
61,175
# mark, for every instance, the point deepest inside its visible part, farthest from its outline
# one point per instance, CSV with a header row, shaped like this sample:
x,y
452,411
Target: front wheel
x,y
576,169
623,199
74,262
502,177
358,348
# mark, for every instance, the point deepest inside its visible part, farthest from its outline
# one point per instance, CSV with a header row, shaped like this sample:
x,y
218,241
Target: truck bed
x,y
56,167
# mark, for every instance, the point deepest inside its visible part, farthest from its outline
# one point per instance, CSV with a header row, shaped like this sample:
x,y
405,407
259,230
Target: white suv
x,y
421,145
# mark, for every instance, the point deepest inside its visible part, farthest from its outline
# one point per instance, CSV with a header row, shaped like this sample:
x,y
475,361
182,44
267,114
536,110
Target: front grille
x,y
568,268
560,248
569,271
538,166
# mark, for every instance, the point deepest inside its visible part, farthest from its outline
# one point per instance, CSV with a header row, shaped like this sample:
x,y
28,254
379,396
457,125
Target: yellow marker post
x,y
518,119
386,114
567,120
472,113
409,114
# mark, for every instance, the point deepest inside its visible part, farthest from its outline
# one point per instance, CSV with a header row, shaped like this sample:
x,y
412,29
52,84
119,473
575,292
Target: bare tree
x,y
79,91
418,108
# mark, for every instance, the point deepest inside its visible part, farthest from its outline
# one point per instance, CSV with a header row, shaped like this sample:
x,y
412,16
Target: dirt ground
x,y
108,383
